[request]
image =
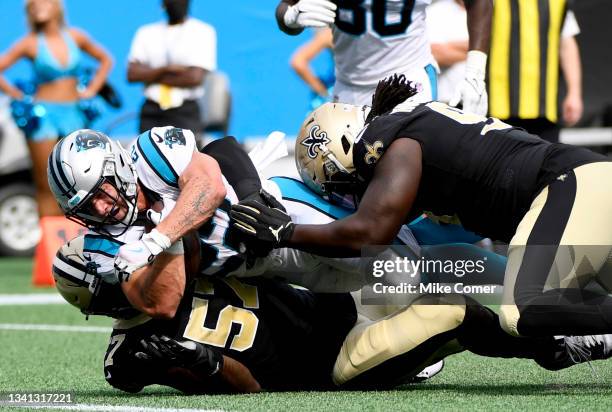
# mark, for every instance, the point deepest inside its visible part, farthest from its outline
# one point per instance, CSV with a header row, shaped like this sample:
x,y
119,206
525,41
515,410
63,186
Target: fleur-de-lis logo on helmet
x,y
374,151
314,141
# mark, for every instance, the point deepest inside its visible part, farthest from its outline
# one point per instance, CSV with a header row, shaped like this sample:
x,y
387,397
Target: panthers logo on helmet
x,y
314,141
374,151
174,136
89,140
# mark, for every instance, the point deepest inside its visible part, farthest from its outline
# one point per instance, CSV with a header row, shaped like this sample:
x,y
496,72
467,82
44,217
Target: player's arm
x,y
233,377
293,15
193,367
157,289
382,211
472,92
133,362
201,192
479,14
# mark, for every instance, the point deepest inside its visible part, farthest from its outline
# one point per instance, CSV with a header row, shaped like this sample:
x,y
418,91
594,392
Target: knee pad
x,y
371,343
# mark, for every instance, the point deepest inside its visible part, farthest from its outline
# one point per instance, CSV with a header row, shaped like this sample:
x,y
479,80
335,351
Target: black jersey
x,y
288,338
480,169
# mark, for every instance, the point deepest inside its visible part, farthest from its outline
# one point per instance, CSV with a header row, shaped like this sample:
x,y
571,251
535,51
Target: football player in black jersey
x,y
551,202
239,336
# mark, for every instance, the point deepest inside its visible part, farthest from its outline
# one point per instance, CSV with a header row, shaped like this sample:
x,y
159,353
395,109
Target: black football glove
x,y
264,218
168,352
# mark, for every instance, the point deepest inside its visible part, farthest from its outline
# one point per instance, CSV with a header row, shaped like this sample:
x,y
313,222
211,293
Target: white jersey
x,y
376,38
160,157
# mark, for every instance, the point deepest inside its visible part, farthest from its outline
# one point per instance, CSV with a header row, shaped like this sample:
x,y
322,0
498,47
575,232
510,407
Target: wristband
x,y
476,64
156,241
176,248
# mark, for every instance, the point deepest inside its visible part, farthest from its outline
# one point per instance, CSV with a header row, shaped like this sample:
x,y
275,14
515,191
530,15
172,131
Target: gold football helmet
x,y
324,151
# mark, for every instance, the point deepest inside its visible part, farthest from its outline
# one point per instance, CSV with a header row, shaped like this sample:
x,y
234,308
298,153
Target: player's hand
x,y
254,249
472,91
310,13
264,218
162,350
134,255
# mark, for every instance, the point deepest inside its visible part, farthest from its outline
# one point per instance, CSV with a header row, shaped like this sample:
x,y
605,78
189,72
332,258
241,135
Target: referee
x,y
529,40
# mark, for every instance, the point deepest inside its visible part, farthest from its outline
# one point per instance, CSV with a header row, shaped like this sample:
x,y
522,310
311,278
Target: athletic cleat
x,y
428,373
578,349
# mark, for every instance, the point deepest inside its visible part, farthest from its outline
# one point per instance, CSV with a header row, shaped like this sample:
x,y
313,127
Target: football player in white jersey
x,y
97,183
100,186
375,38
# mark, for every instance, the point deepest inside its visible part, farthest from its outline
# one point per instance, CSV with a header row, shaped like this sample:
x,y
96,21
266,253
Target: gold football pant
x,y
559,275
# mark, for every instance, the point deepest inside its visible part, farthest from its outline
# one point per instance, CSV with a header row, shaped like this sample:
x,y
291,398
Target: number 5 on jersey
x,y
219,335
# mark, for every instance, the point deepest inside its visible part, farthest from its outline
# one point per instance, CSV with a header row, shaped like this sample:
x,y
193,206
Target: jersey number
x,y
116,340
462,117
229,315
356,24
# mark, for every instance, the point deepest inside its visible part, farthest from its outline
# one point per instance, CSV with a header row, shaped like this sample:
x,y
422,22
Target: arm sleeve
x,y
236,165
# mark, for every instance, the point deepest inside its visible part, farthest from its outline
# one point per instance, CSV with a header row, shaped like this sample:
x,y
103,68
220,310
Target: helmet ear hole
x,y
346,145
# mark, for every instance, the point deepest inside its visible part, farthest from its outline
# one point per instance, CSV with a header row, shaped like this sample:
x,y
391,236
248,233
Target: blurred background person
x,y
171,58
529,41
301,63
55,52
449,38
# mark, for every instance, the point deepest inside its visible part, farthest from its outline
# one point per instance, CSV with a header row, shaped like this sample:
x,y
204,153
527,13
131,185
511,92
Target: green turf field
x,y
40,360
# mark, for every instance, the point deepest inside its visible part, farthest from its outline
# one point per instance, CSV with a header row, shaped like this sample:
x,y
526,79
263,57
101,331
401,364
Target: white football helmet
x,y
79,164
324,151
77,280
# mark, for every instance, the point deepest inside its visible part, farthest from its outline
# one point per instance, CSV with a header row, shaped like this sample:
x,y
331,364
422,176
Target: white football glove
x,y
310,13
473,90
154,217
135,255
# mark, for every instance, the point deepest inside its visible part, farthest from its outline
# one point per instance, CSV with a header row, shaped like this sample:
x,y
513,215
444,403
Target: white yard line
x,y
117,408
31,299
54,328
